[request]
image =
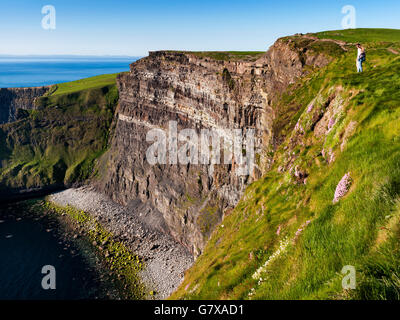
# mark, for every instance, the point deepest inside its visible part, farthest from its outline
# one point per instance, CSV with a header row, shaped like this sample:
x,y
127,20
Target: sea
x,y
18,72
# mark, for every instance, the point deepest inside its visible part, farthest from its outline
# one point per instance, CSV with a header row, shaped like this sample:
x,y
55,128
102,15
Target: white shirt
x,y
360,51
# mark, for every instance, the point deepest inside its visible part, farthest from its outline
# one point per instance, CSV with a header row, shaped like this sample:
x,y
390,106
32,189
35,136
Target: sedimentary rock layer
x,y
197,92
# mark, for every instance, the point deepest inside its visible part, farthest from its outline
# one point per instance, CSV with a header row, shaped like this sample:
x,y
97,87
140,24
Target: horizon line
x,y
67,56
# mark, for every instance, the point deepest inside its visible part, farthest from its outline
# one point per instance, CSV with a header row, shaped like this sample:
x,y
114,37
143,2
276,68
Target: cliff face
x,y
58,144
197,91
12,99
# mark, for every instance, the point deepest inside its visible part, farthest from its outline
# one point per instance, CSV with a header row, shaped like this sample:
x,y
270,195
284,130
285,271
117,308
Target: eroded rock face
x,y
187,201
12,99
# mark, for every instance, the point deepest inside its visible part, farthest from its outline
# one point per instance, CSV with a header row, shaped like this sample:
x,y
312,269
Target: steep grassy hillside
x,y
288,238
59,142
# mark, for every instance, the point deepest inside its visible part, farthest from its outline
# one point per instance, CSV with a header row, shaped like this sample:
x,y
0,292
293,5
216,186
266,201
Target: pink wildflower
x,y
331,123
331,156
300,230
310,108
342,188
298,127
278,232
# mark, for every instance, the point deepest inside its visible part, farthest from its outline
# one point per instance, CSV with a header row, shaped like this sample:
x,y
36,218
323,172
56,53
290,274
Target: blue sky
x,y
136,27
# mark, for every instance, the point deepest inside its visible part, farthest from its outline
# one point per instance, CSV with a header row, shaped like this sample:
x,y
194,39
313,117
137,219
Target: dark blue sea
x,y
34,72
28,242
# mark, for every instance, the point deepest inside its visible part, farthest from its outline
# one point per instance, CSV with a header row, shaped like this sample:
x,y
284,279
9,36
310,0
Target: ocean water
x,y
28,242
34,72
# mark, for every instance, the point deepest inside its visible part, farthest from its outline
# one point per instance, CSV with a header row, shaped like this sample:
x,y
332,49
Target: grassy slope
x,y
362,35
84,84
60,141
361,230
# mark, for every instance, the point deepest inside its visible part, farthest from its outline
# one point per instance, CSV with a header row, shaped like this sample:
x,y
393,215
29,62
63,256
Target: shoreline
x,y
165,260
72,245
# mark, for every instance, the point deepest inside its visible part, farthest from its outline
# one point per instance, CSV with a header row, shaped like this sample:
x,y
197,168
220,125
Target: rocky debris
x,y
165,259
342,188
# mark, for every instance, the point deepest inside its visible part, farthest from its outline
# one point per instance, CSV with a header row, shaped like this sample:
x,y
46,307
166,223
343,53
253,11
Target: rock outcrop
x,y
198,92
13,99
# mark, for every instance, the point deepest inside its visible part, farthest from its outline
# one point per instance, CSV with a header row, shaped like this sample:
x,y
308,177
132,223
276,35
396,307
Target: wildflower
x,y
301,229
278,232
331,156
282,247
299,128
332,122
310,108
252,292
342,188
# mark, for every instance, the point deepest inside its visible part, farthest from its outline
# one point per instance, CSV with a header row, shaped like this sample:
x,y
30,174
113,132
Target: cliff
x,y
198,91
13,99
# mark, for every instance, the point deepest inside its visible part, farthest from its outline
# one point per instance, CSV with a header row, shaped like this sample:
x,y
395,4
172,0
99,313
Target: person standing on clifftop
x,y
360,57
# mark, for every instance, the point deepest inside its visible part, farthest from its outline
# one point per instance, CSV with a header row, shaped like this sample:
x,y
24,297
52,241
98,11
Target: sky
x,y
133,28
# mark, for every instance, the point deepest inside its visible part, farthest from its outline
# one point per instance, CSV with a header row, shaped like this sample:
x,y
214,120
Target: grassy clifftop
x,y
362,35
340,140
59,142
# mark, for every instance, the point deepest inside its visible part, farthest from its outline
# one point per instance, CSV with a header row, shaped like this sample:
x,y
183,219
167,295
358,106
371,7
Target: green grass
x,y
362,35
84,84
362,230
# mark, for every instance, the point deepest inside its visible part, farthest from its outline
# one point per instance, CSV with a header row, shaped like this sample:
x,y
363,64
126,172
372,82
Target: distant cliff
x,y
12,99
55,141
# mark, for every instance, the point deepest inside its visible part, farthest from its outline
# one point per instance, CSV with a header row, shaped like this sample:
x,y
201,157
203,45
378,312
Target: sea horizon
x,y
36,71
